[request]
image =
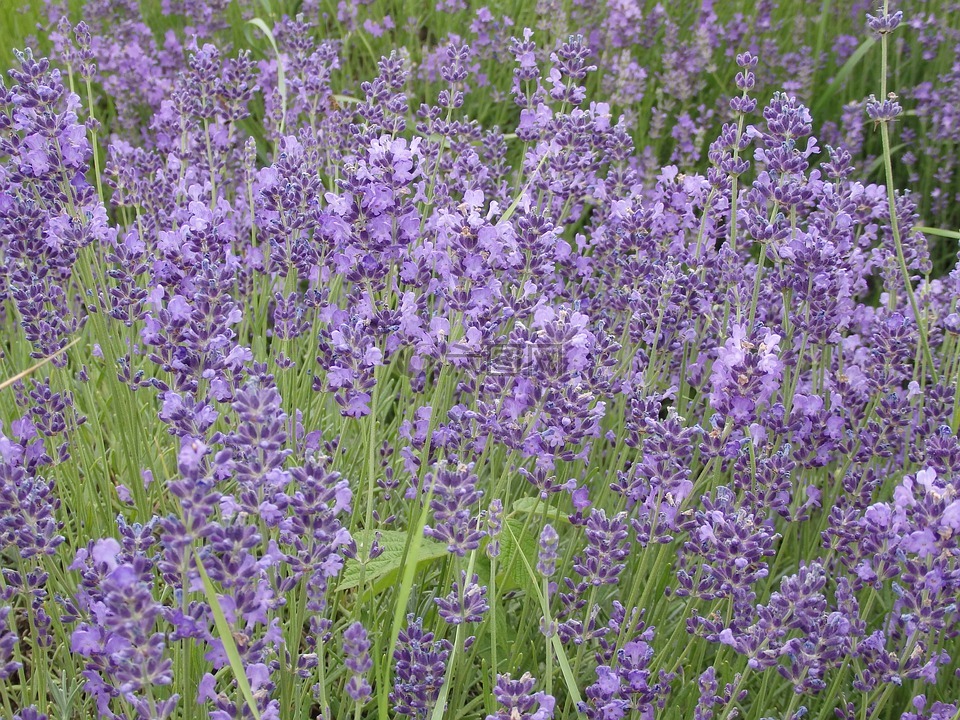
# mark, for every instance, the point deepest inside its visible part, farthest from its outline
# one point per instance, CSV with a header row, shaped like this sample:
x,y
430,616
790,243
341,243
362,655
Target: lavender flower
x,y
547,558
466,605
420,666
607,546
570,267
125,653
356,648
8,641
884,24
883,111
494,527
746,374
519,701
454,495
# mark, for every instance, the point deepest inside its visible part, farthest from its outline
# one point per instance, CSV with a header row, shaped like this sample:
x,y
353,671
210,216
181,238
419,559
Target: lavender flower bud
x,y
884,24
547,559
494,527
420,666
518,700
468,606
885,111
8,641
356,651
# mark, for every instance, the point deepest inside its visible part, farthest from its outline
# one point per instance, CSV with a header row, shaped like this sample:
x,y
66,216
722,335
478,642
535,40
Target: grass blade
x,y
562,660
39,364
281,79
952,234
842,74
226,637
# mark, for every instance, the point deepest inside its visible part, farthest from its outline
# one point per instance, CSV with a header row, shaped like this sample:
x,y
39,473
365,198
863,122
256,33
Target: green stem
x,y
548,625
891,202
94,143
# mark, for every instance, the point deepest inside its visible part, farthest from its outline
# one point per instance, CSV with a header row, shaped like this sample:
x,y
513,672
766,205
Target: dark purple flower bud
x,y
8,642
709,698
607,546
30,713
569,69
455,495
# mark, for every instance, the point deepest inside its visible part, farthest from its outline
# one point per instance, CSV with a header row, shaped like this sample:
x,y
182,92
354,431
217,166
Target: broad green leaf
x,y
226,637
386,566
516,547
534,505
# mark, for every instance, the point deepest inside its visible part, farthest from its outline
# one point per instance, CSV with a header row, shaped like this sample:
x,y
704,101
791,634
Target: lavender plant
x,y
507,373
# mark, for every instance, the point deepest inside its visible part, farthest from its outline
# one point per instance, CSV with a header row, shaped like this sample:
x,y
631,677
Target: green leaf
x,y
952,234
516,547
877,164
516,203
386,566
281,79
569,680
532,505
37,365
842,73
226,637
403,596
498,613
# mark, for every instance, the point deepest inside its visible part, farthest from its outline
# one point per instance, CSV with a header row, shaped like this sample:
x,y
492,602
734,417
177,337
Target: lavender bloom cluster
x,y
510,379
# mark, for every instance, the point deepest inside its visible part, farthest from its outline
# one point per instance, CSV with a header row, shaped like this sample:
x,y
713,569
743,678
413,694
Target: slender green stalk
x,y
919,317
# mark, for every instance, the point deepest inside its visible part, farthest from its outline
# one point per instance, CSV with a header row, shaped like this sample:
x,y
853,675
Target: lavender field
x,y
569,359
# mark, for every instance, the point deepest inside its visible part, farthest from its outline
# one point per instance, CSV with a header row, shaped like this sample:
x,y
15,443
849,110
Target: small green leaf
x,y
387,564
226,637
